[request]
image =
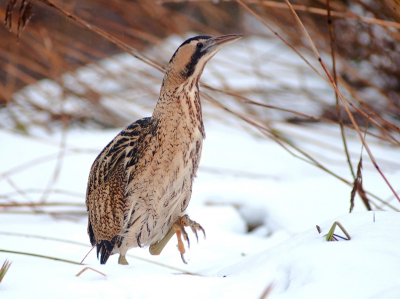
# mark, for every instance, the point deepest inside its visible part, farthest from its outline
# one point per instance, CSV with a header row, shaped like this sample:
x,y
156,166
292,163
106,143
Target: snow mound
x,y
307,266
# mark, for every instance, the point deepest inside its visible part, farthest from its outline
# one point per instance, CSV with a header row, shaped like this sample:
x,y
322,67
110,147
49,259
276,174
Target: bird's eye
x,y
199,45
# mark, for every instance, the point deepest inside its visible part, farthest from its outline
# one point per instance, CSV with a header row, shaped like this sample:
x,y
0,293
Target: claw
x,y
183,259
204,232
179,228
195,233
194,226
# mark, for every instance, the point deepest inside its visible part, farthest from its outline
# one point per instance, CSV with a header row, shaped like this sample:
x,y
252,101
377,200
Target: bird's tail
x,y
105,248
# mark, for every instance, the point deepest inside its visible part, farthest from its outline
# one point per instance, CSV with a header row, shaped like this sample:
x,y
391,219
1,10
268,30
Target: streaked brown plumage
x,y
140,184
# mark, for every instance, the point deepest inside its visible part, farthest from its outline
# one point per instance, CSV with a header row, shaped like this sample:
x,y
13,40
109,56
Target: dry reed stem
x,y
316,118
86,245
61,215
281,38
51,142
358,184
254,104
18,190
266,292
37,190
3,270
281,141
23,194
324,12
60,156
39,255
26,165
329,236
45,204
89,268
370,110
88,254
305,8
127,48
340,121
44,159
330,81
342,99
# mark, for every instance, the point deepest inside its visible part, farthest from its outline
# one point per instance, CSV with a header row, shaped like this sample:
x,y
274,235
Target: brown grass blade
x,y
355,185
4,269
339,115
86,245
343,100
39,255
129,49
267,291
25,13
358,187
8,14
305,8
281,38
89,268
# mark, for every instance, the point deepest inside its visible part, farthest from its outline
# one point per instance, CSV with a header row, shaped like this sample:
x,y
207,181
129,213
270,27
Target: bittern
x,y
140,184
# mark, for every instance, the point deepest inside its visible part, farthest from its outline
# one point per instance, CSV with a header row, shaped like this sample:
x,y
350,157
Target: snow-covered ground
x,y
243,181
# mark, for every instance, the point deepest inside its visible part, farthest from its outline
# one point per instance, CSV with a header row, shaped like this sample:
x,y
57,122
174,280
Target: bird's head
x,y
190,58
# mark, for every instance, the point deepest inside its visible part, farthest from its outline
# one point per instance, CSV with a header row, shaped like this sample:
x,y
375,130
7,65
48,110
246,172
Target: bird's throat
x,y
181,106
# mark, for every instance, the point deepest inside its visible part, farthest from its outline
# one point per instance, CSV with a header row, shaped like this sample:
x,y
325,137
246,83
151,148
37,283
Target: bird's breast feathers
x,y
163,177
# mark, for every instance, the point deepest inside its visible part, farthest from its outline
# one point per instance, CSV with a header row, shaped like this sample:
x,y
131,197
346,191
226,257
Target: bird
x,y
140,184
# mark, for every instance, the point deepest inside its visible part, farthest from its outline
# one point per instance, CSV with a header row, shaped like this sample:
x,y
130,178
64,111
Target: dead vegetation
x,y
353,50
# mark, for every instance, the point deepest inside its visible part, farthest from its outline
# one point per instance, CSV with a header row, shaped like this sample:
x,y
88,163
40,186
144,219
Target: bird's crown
x,y
195,52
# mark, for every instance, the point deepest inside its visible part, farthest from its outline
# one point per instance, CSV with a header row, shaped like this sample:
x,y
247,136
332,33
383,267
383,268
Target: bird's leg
x,y
122,260
179,228
156,248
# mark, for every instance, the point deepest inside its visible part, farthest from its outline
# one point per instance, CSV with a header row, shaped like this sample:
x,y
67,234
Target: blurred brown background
x,y
366,43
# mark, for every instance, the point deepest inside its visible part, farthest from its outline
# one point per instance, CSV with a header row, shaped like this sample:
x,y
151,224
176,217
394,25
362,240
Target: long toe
x,y
178,228
186,221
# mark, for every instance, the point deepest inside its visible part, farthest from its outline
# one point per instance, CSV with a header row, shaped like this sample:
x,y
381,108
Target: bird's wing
x,y
105,194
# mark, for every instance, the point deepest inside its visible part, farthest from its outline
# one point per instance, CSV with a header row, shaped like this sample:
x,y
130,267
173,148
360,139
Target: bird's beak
x,y
218,42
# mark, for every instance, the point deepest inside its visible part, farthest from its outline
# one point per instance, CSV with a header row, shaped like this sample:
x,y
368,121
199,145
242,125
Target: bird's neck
x,y
180,104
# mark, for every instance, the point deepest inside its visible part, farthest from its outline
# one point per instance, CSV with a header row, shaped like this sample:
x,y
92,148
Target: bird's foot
x,y
122,260
179,227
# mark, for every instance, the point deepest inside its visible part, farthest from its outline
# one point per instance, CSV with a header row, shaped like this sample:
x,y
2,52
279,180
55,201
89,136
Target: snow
x,y
366,265
281,194
304,266
243,181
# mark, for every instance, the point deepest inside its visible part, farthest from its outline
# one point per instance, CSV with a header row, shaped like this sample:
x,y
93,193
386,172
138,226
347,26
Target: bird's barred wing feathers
x,y
105,194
